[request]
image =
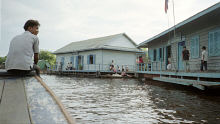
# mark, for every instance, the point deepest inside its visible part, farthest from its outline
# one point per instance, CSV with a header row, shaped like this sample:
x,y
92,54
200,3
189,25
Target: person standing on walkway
x,y
21,50
185,58
204,59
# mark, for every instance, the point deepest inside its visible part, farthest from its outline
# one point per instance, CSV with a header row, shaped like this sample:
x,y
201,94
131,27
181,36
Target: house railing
x,y
93,67
150,66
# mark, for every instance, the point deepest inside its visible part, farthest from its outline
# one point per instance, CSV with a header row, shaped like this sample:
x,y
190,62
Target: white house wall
x,y
103,59
120,58
121,42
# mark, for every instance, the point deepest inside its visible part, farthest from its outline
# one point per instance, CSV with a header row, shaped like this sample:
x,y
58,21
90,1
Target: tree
x,y
2,59
46,55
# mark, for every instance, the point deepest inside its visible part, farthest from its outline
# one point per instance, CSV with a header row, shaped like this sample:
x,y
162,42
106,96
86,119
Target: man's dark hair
x,y
184,46
204,47
31,23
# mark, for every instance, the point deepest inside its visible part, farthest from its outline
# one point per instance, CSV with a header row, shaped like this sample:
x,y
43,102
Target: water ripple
x,y
127,101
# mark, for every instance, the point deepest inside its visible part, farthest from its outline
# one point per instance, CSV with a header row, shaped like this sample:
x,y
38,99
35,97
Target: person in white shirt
x,y
21,50
204,58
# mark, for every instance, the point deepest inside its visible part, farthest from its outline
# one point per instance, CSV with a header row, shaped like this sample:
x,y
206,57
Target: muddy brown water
x,y
129,101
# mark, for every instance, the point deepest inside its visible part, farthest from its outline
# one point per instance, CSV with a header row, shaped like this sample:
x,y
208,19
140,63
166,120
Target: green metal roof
x,y
96,43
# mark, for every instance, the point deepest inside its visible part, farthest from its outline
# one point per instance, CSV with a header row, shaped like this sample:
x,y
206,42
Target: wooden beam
x,y
14,109
172,80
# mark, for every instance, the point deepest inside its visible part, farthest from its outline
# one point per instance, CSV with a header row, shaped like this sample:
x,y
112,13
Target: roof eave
x,y
95,49
190,19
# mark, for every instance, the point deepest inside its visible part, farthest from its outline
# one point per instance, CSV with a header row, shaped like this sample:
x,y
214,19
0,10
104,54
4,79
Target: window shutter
x,y
194,47
88,56
77,57
194,44
62,60
191,47
72,59
197,47
150,54
163,53
158,54
94,59
211,40
217,43
82,60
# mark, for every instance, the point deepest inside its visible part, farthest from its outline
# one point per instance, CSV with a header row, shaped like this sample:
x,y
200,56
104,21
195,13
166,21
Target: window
x,y
155,54
72,59
91,59
150,54
214,43
194,47
62,60
161,54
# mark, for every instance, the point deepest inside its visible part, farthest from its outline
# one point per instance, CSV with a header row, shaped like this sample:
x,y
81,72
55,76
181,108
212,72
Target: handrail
x,y
92,67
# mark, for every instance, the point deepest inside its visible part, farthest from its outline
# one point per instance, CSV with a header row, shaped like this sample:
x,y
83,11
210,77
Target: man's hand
x,y
36,57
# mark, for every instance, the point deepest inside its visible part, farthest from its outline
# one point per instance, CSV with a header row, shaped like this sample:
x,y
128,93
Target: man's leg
x,y
205,64
184,64
201,69
187,65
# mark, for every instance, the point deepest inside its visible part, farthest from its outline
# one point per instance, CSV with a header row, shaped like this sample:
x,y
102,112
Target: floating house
x,y
202,29
97,53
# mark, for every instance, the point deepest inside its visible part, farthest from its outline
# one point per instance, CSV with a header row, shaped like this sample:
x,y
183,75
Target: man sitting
x,y
21,50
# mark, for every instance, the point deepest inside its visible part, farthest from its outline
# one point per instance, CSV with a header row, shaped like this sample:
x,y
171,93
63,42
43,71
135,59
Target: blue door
x,y
62,63
166,57
180,49
76,66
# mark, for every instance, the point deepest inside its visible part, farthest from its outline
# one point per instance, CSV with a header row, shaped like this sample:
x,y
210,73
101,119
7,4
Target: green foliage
x,y
46,55
2,59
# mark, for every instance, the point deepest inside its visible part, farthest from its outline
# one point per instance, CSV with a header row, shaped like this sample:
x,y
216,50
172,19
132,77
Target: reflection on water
x,y
127,101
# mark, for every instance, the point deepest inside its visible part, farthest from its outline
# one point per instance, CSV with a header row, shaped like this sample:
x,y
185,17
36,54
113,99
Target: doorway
x,y
180,49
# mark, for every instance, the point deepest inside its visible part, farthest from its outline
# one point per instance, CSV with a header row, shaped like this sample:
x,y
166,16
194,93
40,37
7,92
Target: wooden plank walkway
x,y
195,83
13,106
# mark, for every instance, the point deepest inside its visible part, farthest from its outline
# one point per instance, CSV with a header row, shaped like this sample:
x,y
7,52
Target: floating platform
x,y
202,81
92,73
25,100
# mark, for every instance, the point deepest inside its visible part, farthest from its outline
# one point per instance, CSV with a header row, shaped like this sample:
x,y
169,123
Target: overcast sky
x,y
65,21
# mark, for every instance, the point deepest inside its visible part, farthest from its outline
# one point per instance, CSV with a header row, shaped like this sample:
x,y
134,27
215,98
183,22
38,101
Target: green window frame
x,y
194,47
214,42
151,54
91,59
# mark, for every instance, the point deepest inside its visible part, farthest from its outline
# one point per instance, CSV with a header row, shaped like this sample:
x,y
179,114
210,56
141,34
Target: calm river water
x,y
128,101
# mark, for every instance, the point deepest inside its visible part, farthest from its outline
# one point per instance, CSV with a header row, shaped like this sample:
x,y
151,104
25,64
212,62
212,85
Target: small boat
x,y
27,100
